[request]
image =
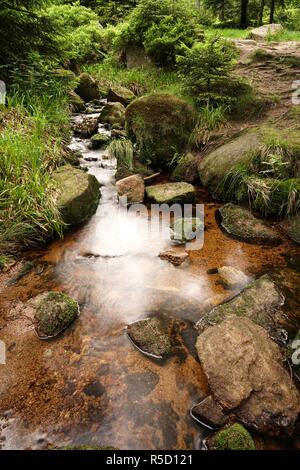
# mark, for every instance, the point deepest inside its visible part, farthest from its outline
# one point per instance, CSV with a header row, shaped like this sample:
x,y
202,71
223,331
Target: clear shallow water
x,y
91,386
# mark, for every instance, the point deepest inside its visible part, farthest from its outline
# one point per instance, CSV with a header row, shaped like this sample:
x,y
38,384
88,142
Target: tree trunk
x,y
272,11
244,14
261,12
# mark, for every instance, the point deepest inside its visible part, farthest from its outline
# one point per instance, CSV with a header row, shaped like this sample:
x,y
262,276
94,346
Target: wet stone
x,y
233,278
174,257
151,336
209,413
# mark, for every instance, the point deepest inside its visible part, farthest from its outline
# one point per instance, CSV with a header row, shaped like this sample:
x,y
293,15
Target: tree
x,y
272,11
244,14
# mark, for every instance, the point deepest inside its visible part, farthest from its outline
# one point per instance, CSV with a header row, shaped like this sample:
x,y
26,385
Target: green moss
x,y
161,126
234,437
99,140
180,171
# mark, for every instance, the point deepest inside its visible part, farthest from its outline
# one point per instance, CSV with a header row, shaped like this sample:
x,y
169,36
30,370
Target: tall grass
x,y
122,151
33,130
209,119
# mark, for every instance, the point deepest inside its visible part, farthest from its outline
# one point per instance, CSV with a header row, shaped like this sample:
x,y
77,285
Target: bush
x,y
161,27
206,67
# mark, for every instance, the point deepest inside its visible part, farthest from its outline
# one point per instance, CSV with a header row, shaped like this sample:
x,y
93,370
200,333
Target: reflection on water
x,y
91,385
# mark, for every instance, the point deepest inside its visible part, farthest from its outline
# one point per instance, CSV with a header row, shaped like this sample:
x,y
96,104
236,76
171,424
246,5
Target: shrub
x,y
161,27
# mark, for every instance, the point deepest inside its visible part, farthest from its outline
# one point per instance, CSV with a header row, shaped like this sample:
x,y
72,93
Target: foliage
x,y
110,11
206,67
161,27
122,151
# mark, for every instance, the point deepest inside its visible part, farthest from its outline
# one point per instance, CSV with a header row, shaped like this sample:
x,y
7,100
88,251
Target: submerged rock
x,y
87,88
54,312
120,94
132,187
244,368
113,114
294,229
98,141
151,336
233,278
161,125
209,413
260,301
171,193
234,437
241,224
262,33
186,229
174,257
78,194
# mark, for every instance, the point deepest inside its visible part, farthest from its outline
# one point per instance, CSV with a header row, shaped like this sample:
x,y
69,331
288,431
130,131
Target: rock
x,y
136,57
54,312
294,229
132,187
244,368
161,125
174,257
73,158
241,224
118,134
209,413
232,278
87,88
151,336
113,114
263,32
77,103
186,170
120,95
185,229
234,437
171,193
294,354
98,141
78,194
260,301
85,125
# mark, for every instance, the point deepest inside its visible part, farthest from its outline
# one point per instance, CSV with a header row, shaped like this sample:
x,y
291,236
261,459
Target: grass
x,y
122,151
234,33
33,130
209,119
284,35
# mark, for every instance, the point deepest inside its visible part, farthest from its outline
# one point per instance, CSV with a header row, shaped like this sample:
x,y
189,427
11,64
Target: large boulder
x,y
294,229
260,301
244,368
87,88
135,57
113,114
132,187
161,126
53,313
120,94
171,193
263,32
98,141
241,223
78,194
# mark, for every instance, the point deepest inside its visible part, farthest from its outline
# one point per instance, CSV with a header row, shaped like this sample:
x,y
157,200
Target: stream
x,y
91,385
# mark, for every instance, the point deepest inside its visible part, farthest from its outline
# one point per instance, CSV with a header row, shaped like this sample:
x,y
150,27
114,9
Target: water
x,y
91,386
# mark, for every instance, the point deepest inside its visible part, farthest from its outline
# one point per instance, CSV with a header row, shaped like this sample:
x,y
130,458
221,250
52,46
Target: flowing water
x,y
90,385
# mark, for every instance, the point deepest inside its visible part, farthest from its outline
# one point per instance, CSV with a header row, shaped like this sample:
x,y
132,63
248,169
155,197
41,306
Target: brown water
x,y
90,385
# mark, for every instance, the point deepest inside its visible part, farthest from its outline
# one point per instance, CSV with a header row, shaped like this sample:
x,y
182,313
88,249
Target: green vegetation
x,y
234,437
122,151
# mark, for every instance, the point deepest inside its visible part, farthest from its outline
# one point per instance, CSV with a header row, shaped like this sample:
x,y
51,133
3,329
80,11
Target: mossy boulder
x,y
113,114
260,301
151,336
171,193
120,95
54,312
184,170
87,88
186,229
294,229
78,194
76,103
241,223
98,141
161,125
234,437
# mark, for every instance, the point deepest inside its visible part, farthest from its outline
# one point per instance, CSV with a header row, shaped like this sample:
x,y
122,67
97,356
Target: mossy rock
x,y
120,94
87,88
161,125
98,141
114,115
241,224
76,103
78,194
151,336
171,193
234,437
294,229
54,312
186,229
181,171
